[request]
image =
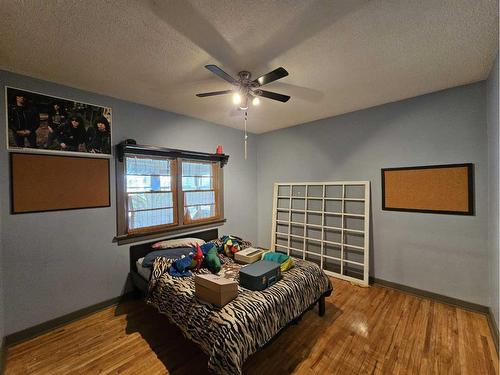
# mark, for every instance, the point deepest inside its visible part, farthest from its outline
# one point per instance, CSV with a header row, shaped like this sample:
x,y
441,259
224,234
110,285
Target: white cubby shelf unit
x,y
326,223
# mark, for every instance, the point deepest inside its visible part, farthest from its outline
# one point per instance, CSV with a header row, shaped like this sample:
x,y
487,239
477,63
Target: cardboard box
x,y
249,255
215,289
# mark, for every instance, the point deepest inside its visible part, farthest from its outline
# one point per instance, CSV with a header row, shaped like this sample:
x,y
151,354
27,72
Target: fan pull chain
x,y
246,135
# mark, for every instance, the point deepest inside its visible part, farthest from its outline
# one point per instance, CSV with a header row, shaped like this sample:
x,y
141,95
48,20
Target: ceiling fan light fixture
x,y
236,98
246,90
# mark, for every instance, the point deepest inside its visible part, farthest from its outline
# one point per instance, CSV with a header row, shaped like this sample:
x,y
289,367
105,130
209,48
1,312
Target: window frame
x,y
215,188
173,190
124,235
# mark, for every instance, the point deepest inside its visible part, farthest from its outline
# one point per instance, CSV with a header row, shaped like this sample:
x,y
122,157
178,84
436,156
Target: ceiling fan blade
x,y
213,93
276,74
222,74
273,95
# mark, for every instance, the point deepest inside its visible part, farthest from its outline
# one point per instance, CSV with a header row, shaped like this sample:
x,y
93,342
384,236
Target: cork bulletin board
x,y
445,189
49,182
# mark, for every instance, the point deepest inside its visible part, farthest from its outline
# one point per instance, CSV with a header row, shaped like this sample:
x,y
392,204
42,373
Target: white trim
x,y
274,218
323,183
27,150
366,244
53,152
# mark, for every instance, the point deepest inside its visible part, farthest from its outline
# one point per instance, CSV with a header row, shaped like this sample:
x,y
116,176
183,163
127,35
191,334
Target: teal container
x,y
260,275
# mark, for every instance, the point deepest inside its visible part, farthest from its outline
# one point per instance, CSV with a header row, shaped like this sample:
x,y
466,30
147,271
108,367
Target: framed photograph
x,y
439,189
47,124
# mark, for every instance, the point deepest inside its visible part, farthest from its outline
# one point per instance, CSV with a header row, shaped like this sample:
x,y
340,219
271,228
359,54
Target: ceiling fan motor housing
x,y
244,76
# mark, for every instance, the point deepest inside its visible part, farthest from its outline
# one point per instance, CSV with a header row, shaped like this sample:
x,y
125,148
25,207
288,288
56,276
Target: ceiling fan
x,y
247,89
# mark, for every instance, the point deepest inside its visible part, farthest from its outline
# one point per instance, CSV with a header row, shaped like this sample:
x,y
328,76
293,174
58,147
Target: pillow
x,y
181,242
167,253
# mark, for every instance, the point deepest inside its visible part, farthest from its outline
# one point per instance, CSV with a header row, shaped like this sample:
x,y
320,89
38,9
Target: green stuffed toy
x,y
212,261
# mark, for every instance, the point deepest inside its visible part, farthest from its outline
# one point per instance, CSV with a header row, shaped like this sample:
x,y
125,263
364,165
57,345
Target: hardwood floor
x,y
372,330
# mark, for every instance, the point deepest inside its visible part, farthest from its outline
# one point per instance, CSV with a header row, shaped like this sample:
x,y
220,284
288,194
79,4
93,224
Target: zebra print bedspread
x,y
229,335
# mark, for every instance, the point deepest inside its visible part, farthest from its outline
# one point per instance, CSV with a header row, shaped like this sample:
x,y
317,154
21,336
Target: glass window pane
x,y
196,169
148,183
199,197
145,201
138,183
165,183
196,183
193,213
147,166
141,219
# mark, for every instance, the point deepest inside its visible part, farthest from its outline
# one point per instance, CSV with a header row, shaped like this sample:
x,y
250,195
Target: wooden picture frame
x,y
439,189
42,183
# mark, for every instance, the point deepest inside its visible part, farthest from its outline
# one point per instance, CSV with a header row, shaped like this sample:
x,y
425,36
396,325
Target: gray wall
x,y
445,254
59,262
493,181
62,261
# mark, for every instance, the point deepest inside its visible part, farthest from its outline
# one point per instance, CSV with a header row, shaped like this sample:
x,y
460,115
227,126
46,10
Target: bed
x,y
229,335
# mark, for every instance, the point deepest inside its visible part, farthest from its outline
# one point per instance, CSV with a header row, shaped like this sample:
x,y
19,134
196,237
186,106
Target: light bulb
x,y
236,98
256,101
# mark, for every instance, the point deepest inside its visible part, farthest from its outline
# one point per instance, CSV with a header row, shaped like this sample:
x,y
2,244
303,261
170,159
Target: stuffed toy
x,y
230,247
193,264
212,261
207,246
180,267
198,257
232,244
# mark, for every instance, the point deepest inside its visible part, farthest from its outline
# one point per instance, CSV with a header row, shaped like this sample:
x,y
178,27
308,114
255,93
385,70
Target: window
x,y
150,189
199,188
163,190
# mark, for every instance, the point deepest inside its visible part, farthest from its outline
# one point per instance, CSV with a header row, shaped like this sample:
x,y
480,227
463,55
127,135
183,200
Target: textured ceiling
x,y
341,55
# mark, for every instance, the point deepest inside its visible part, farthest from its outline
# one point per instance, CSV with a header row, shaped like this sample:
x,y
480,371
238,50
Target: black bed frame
x,y
140,251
